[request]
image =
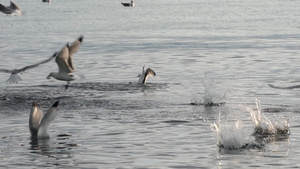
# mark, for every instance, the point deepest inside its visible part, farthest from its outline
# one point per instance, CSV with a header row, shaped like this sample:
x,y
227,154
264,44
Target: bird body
x,y
63,76
131,4
65,62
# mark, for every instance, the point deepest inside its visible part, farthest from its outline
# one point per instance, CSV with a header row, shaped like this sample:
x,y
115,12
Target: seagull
x,y
128,4
15,73
144,75
11,9
39,123
64,62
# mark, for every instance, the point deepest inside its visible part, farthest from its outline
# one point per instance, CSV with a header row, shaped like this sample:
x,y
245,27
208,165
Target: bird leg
x,y
67,85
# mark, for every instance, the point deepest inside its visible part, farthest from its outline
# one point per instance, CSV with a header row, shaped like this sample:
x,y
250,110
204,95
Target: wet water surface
x,y
213,59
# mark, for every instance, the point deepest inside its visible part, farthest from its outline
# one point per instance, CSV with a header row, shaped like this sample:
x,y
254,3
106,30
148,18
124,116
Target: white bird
x,y
145,74
64,62
131,4
15,73
39,123
11,9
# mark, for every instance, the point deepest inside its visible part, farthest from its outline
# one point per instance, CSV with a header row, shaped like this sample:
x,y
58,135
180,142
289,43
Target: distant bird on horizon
x,y
145,74
131,4
11,9
39,123
65,63
15,73
46,1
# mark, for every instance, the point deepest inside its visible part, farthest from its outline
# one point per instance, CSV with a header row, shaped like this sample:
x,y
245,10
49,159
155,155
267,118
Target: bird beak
x,y
49,77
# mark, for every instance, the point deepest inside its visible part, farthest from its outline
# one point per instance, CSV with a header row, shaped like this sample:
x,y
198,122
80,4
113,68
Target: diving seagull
x,y
15,73
128,4
64,62
11,9
145,74
39,123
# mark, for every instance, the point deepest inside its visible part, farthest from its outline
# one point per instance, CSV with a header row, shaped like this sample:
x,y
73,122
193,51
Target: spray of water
x,y
212,96
264,127
236,136
233,136
209,89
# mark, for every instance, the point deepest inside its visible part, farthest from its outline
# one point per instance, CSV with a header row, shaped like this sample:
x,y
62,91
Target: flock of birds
x,y
66,69
39,123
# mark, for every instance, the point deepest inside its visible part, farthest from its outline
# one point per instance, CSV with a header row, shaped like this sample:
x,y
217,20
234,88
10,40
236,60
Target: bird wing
x,y
13,6
3,8
75,45
141,78
142,75
150,72
47,119
37,64
6,71
36,115
62,60
74,49
143,70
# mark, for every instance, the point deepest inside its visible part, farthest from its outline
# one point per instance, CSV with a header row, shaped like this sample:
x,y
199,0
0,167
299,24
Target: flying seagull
x,y
11,9
15,73
64,62
145,74
39,123
131,4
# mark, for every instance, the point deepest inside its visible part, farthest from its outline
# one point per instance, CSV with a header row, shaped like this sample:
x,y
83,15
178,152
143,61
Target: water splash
x,y
233,137
264,127
211,96
237,137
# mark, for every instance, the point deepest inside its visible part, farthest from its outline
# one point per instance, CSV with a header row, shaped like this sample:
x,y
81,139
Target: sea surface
x,y
232,51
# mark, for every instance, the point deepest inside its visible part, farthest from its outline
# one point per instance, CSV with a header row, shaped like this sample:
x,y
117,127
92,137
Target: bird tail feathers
x,y
77,76
14,78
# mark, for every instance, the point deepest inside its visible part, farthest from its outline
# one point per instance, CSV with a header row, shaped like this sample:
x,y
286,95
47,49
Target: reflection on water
x,y
58,152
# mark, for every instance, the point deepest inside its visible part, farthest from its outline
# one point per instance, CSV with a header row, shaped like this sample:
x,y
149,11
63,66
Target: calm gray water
x,y
107,120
